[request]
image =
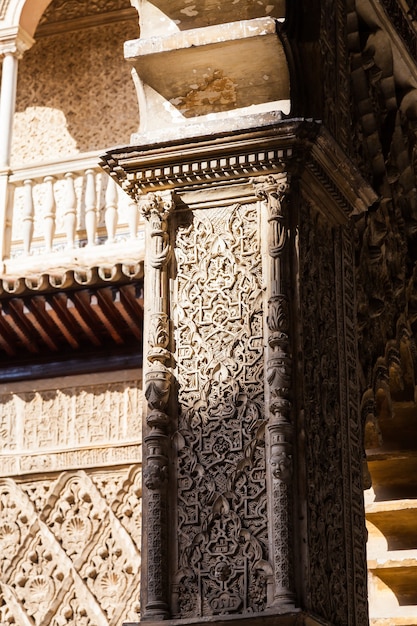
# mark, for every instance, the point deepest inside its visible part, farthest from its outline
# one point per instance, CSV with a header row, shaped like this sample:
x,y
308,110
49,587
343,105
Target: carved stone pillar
x,y
260,362
272,190
12,46
158,378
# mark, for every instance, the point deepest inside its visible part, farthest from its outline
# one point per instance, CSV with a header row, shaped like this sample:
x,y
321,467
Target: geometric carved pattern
x,y
68,555
221,507
336,533
323,437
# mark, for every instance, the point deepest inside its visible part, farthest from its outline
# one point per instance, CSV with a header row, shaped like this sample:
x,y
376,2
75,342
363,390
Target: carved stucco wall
x,y
75,94
70,501
220,439
331,431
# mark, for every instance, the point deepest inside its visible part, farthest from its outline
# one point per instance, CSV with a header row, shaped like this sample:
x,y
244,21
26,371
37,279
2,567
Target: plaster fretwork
x,y
64,10
332,429
74,94
156,209
222,544
70,554
70,525
68,427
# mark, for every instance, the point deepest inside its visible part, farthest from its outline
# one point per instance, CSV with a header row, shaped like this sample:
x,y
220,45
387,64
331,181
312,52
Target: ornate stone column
x,y
7,103
272,191
158,378
12,46
264,510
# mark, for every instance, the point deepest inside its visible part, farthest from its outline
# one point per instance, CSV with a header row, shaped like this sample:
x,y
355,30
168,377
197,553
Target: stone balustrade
x,y
69,208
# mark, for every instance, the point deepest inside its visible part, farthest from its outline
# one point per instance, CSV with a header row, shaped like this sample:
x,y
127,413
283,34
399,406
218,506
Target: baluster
x,y
110,216
28,216
49,219
90,207
70,212
133,219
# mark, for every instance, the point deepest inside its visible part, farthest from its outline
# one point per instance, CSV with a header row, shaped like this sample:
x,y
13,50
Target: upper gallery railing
x,y
68,208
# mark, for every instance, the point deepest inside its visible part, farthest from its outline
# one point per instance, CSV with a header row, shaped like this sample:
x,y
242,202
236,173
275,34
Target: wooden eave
x,y
94,315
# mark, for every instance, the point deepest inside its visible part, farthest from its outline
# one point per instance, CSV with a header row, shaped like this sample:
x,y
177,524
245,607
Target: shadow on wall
x,y
75,94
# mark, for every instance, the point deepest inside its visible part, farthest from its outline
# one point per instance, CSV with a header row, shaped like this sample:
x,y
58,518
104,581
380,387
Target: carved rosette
x,y
158,381
272,190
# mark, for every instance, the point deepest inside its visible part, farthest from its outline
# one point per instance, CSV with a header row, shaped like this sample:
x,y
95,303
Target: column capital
x,y
14,40
272,188
156,204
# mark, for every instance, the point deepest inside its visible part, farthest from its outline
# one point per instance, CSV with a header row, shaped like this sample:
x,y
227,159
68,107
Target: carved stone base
x,y
288,619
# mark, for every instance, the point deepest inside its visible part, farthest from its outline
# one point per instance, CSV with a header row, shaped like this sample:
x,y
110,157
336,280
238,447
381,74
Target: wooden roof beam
x,y
39,323
6,342
104,312
130,293
124,308
59,315
81,313
12,319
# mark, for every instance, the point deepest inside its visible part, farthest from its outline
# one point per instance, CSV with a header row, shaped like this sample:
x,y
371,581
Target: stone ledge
x,y
276,619
210,12
213,69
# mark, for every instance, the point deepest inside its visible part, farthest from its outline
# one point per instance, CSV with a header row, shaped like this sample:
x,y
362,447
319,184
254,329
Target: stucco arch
x,y
25,14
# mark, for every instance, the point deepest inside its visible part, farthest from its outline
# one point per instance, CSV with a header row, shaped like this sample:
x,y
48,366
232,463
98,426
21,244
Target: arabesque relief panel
x,y
222,540
70,540
331,432
62,424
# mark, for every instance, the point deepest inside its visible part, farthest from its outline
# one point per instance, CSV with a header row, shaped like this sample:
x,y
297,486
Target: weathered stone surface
x,y
70,513
205,79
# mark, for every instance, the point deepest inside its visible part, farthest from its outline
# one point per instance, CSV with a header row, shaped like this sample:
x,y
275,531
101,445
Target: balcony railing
x,y
68,212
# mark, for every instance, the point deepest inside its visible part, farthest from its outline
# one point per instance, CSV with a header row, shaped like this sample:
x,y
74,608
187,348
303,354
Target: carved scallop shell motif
x,y
40,589
76,531
9,536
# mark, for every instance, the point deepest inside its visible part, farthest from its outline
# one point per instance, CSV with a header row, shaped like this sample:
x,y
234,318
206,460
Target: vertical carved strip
x,y
28,216
353,445
272,190
158,378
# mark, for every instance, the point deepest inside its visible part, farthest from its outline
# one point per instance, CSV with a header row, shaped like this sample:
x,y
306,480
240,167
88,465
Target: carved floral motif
x,y
66,559
222,536
336,533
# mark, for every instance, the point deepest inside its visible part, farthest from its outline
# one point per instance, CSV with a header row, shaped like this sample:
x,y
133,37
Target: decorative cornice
x,y
330,175
300,146
211,158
